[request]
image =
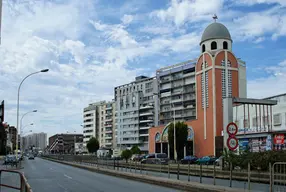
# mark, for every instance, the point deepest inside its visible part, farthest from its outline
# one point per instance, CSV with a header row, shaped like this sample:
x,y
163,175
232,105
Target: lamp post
x,y
22,135
18,98
21,139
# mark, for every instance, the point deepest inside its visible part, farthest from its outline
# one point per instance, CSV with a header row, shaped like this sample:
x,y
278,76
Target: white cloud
x,y
253,2
275,81
182,11
126,19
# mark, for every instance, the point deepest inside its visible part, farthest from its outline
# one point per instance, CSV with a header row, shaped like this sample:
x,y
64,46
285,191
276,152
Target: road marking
x,y
67,176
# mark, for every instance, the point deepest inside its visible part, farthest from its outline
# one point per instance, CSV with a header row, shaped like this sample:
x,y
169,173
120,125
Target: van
x,y
156,158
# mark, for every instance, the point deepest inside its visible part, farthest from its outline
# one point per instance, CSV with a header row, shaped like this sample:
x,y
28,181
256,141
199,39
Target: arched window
x,y
225,45
203,48
213,45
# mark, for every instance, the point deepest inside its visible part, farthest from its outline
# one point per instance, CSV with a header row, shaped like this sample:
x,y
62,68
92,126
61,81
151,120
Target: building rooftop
x,y
215,31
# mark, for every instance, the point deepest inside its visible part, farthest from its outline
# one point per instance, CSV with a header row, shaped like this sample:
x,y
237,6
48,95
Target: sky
x,y
91,46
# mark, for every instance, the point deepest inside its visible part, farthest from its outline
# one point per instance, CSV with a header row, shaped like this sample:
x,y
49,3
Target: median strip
x,y
180,185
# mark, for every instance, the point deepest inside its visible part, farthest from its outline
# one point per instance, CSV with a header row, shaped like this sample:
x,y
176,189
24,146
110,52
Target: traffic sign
x,y
232,143
232,128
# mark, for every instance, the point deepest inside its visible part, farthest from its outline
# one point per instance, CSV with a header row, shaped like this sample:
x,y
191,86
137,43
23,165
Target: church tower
x,y
217,77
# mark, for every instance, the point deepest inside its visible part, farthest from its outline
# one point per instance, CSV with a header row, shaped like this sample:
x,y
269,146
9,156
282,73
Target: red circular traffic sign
x,y
232,143
232,128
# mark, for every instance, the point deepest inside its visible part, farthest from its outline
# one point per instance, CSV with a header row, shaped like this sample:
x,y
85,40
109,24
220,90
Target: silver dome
x,y
215,31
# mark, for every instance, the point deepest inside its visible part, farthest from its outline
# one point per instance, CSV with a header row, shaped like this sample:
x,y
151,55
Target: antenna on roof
x,y
215,17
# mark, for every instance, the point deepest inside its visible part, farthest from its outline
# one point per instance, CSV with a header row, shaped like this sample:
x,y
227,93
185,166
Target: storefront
x,y
255,142
279,142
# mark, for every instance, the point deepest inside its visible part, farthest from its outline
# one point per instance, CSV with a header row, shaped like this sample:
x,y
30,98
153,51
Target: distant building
x,y
38,140
64,143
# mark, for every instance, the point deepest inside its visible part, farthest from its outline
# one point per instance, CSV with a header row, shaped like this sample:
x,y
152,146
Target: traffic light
x,y
2,112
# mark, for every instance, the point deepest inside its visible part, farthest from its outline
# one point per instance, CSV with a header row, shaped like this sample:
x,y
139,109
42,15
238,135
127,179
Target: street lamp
x,y
21,140
18,98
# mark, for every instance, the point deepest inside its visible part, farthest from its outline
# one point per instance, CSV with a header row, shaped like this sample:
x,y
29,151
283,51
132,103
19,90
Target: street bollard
x,y
135,166
178,171
230,176
189,171
160,168
117,164
200,173
114,164
140,168
129,167
168,170
214,174
249,175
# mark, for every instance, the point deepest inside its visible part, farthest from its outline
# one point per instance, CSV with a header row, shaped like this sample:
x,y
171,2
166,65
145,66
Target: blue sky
x,y
91,46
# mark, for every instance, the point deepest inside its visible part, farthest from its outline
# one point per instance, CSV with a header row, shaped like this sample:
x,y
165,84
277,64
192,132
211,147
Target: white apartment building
x,y
259,125
98,122
135,112
39,140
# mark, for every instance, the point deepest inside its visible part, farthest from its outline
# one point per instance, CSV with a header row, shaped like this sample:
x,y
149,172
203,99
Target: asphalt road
x,y
47,176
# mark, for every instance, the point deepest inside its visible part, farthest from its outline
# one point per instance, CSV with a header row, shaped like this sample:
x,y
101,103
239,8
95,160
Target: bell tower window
x,y
213,45
203,48
225,45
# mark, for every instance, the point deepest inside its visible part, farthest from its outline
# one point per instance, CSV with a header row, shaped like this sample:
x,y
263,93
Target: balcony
x,y
108,125
167,94
177,100
108,131
144,134
147,107
144,128
108,137
108,120
146,114
146,120
108,108
108,144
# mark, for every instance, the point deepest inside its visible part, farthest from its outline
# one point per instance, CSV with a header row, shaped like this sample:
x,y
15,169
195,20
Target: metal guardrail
x,y
278,179
24,185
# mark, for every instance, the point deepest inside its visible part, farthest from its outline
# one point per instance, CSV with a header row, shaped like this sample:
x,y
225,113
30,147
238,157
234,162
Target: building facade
x,y
218,74
177,92
98,122
261,127
64,143
135,112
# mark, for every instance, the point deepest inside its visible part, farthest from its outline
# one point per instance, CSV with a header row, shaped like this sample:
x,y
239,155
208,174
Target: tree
x,y
126,154
181,137
92,145
135,150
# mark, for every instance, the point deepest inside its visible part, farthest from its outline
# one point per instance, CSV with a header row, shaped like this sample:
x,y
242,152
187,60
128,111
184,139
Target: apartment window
x,y
277,119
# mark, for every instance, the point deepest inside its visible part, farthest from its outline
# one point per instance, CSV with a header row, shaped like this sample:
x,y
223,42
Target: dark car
x,y
31,156
189,159
206,160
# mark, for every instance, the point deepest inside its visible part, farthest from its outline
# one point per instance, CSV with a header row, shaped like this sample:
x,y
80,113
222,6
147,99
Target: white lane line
x,y
67,176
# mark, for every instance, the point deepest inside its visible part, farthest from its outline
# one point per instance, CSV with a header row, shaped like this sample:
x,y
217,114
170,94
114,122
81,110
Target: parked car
x,y
189,159
206,160
135,157
156,158
11,160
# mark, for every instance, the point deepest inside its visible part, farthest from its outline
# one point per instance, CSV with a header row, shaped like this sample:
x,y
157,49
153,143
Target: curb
x,y
180,185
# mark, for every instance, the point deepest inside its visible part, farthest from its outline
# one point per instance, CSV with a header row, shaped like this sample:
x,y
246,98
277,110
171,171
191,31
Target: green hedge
x,y
258,160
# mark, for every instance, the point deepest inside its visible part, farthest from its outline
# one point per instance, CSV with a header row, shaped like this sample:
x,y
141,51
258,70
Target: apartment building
x,y
136,112
99,123
177,92
38,140
107,117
